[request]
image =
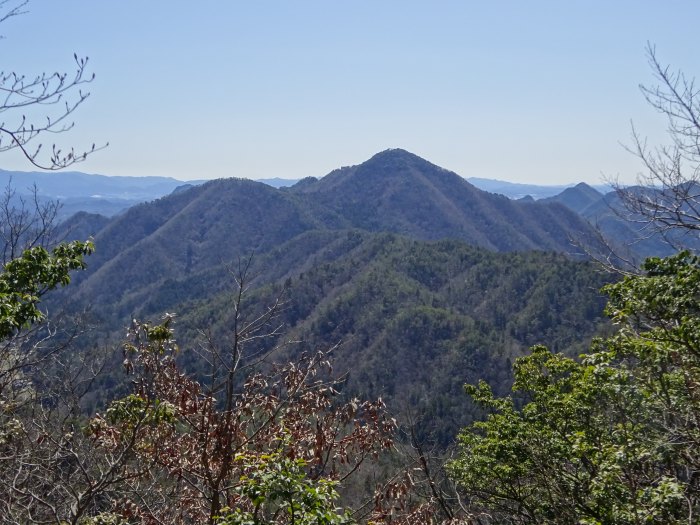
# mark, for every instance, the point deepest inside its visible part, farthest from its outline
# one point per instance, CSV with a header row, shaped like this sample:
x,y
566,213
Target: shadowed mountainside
x,y
630,233
400,192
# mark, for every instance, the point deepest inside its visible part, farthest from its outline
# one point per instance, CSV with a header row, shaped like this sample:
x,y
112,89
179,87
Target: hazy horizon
x,y
538,92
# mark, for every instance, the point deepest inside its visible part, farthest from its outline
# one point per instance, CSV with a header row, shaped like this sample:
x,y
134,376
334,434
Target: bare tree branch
x,y
667,197
61,93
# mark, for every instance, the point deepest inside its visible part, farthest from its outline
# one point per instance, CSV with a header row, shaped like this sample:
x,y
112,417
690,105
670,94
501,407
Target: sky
x,y
540,91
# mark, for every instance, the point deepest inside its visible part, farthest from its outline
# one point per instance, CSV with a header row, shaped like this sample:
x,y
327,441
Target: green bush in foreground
x,y
611,439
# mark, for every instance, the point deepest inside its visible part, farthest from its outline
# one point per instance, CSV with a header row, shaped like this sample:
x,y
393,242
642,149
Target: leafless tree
x,y
26,221
60,94
667,197
49,472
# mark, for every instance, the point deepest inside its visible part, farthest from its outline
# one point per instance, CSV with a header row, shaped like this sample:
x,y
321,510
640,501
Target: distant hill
x,y
81,226
624,230
578,198
516,190
89,192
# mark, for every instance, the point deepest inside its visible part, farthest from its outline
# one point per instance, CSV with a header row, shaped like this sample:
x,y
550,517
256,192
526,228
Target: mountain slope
x,y
187,233
631,234
400,192
577,198
416,316
414,320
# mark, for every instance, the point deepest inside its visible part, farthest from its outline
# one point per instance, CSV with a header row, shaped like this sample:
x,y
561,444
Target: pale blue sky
x,y
533,91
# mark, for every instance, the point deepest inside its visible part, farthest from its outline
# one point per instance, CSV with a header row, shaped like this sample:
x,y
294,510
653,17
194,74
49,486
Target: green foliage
x,y
105,518
135,409
610,439
25,279
276,489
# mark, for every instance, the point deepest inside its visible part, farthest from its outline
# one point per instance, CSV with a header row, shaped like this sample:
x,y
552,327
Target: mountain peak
x,y
392,153
379,173
397,157
400,192
578,197
586,187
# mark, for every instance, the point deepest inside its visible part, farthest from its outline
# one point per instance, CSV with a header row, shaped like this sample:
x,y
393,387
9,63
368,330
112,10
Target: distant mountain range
x,y
109,195
427,208
516,190
86,192
628,232
190,234
394,191
92,193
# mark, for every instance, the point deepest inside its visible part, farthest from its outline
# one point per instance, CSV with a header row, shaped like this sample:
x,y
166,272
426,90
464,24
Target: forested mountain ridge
x,y
403,193
411,321
194,233
414,320
187,233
